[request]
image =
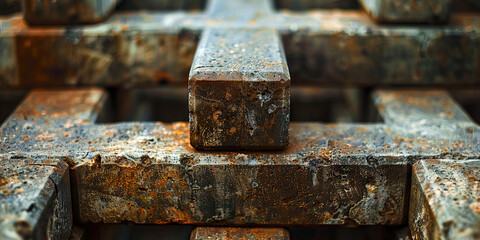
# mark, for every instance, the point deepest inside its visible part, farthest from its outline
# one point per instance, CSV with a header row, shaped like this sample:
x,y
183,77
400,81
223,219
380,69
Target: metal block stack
x,y
401,151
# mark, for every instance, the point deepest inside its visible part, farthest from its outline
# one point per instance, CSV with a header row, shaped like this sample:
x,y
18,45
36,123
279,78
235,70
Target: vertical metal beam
x,y
239,84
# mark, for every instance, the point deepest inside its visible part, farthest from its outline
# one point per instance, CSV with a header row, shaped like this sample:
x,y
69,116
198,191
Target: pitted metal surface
x,y
239,84
445,200
35,199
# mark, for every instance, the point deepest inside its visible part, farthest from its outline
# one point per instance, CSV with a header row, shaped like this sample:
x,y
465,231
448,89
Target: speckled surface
x,y
35,199
445,200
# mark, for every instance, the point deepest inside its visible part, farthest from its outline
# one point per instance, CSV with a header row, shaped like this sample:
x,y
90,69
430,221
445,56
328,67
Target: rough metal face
x,y
58,12
445,200
228,233
410,11
239,84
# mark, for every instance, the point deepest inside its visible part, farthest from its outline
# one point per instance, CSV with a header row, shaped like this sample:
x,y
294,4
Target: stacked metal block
x,y
239,161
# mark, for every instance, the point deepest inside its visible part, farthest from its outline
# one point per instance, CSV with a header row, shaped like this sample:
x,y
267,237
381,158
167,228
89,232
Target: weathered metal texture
x,y
149,173
303,5
10,6
35,199
239,91
60,12
35,196
410,11
348,48
239,84
119,51
232,233
445,200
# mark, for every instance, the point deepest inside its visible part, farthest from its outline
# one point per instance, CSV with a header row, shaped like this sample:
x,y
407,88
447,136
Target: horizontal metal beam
x,y
149,173
427,11
419,107
66,108
445,200
230,233
314,44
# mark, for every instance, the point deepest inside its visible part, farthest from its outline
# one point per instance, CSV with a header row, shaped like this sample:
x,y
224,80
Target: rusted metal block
x,y
239,84
427,11
149,173
419,107
239,91
124,51
35,196
445,199
340,47
60,12
232,233
35,199
155,176
316,43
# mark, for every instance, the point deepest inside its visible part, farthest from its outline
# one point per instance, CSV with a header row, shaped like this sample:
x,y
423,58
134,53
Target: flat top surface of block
x,y
240,54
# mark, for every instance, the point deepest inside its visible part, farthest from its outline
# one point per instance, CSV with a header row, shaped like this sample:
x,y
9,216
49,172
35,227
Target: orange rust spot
x,y
475,207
